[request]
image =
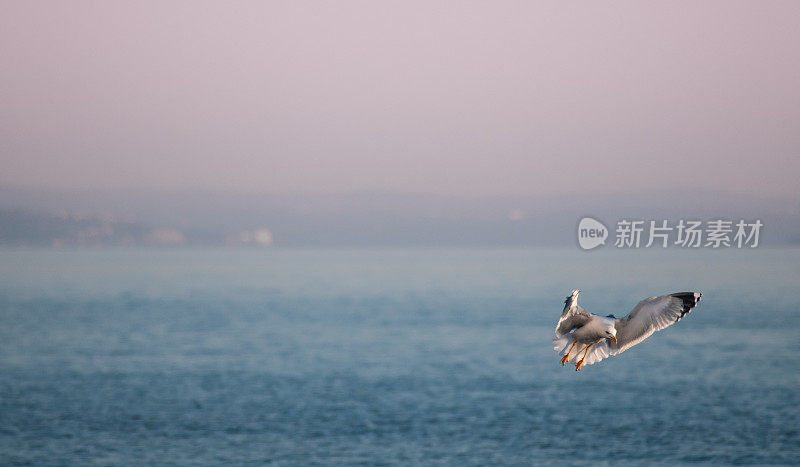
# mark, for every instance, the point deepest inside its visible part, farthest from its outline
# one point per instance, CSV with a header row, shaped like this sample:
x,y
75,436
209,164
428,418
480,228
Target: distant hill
x,y
30,228
35,217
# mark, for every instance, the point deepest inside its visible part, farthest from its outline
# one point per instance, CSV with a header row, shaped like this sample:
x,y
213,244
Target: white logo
x,y
718,233
591,233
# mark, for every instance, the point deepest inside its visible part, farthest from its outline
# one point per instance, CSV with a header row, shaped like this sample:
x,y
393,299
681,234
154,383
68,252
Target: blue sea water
x,y
407,356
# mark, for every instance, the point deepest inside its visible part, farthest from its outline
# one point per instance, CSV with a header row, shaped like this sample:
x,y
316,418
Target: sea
x,y
407,356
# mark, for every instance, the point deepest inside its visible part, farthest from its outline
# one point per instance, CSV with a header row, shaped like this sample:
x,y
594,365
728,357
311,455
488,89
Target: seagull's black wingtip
x,y
689,299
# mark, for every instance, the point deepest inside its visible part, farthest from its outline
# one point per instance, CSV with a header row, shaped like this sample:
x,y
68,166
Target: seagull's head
x,y
575,293
611,333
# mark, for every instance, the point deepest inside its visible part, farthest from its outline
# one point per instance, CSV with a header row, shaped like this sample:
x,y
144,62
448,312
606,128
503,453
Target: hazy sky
x,y
434,97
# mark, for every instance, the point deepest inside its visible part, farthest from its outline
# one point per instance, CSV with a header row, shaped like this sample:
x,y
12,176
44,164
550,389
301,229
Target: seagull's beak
x,y
613,338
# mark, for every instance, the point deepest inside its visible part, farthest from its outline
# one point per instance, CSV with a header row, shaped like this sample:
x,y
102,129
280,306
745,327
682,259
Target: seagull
x,y
599,337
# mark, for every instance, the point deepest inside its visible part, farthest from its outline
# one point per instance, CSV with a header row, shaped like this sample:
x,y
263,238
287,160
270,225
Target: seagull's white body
x,y
586,338
594,330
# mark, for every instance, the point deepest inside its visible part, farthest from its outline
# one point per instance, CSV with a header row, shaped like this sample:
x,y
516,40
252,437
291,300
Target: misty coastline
x,y
37,218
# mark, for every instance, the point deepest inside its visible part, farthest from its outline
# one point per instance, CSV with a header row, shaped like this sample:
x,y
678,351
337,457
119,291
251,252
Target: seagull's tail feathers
x,y
562,344
598,352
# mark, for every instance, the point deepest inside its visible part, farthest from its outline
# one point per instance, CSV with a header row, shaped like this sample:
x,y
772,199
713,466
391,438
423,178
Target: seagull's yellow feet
x,y
566,357
585,353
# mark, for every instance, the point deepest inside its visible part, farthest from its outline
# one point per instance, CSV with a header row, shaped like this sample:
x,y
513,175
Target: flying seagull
x,y
598,337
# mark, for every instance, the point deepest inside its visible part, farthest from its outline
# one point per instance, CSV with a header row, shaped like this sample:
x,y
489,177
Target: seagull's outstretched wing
x,y
572,317
651,315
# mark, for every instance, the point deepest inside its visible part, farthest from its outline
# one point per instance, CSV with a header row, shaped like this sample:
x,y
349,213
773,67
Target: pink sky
x,y
433,97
